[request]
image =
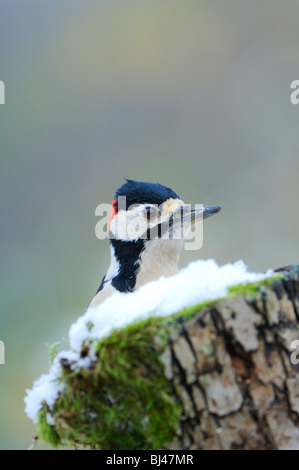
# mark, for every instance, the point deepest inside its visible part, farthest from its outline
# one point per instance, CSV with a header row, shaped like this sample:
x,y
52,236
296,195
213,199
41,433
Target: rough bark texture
x,y
223,377
233,368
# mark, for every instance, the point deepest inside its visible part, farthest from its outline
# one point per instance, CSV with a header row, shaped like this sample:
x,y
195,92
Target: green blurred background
x,y
193,94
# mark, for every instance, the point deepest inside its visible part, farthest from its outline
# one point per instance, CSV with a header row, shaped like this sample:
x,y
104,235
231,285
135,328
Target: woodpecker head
x,y
150,211
147,229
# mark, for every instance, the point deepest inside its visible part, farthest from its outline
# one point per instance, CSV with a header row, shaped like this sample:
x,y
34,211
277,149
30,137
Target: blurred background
x,y
193,94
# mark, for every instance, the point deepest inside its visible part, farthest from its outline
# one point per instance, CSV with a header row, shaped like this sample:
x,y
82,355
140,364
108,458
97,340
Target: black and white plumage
x,y
144,220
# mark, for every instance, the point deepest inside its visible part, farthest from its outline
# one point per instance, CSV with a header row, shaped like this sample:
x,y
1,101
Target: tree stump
x,y
225,376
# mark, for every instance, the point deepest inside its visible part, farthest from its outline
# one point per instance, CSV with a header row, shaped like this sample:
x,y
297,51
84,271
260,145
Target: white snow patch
x,y
48,387
200,281
45,389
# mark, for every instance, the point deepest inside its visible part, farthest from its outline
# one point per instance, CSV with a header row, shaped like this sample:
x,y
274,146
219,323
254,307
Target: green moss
x,y
46,432
53,350
123,401
250,290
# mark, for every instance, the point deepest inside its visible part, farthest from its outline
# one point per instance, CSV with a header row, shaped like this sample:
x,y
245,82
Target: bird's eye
x,y
150,212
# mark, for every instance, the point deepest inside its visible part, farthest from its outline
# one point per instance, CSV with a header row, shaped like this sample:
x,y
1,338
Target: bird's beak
x,y
210,210
198,212
183,217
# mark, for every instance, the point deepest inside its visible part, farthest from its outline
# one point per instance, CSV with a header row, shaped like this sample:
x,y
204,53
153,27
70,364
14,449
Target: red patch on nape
x,y
113,212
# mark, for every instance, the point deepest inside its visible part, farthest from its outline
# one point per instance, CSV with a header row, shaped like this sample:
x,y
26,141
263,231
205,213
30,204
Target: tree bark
x,y
233,367
225,376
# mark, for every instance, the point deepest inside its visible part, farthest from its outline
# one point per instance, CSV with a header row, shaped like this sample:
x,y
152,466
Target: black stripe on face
x,y
167,226
160,229
128,255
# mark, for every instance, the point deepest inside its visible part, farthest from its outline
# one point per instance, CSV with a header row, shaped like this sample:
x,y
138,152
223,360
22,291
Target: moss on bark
x,y
214,376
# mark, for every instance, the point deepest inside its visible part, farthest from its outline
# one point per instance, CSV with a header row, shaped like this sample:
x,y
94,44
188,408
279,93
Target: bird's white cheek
x,y
118,228
137,228
128,227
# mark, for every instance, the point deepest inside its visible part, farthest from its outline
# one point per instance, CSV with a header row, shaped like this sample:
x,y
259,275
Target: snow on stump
x,y
180,364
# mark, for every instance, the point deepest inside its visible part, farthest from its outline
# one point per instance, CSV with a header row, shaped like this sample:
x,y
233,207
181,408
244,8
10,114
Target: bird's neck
x,y
160,258
136,263
125,256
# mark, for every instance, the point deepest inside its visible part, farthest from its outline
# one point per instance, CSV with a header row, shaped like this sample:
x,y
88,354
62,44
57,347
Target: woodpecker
x,y
147,229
